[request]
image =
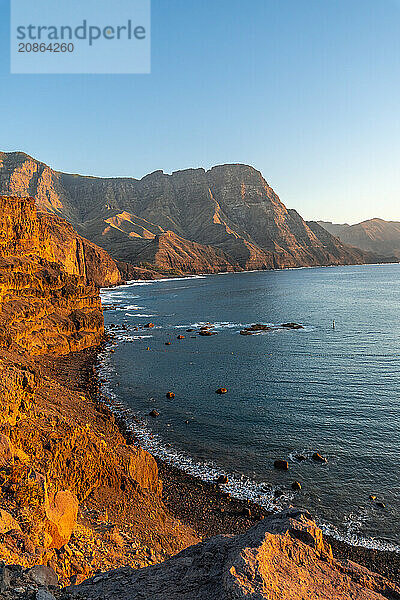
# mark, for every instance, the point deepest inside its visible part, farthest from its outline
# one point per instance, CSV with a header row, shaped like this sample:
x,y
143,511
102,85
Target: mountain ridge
x,y
229,214
373,235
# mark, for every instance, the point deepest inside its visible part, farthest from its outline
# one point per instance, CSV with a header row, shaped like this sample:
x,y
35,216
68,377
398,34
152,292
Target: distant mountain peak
x,y
224,218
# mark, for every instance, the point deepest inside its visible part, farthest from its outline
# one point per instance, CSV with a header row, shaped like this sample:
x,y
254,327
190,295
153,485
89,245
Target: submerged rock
x,y
300,457
257,327
318,458
282,465
292,326
222,480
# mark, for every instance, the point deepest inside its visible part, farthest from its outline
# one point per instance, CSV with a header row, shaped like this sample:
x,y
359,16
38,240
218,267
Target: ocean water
x,y
334,391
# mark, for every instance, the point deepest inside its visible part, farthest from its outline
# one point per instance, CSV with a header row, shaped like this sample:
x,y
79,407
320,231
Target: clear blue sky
x,y
307,91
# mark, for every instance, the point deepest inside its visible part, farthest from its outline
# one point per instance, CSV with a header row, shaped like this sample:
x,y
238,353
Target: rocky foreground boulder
x,y
283,557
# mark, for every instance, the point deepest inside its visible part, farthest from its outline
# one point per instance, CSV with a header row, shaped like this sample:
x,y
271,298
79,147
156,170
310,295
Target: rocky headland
x,y
193,221
80,500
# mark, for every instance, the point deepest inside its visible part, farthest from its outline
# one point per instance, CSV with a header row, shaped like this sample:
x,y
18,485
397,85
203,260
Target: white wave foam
x,y
350,536
139,315
216,325
165,279
133,307
132,338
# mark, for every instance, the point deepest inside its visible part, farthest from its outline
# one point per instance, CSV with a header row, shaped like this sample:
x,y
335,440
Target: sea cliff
x,y
74,495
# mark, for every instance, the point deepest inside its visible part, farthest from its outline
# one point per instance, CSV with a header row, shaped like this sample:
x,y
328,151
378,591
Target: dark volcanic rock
x,y
281,465
292,326
284,557
318,458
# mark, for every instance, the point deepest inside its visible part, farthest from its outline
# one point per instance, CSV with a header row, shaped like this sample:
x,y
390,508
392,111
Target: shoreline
x,y
210,511
244,271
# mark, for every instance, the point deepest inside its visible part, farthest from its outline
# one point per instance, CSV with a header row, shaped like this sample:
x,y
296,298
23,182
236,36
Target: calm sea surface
x,y
335,391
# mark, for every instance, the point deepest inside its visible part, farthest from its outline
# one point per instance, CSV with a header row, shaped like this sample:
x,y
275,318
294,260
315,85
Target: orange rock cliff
x,y
73,494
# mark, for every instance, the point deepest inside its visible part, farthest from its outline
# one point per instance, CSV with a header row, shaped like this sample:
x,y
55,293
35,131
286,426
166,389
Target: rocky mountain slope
x,y
74,496
44,306
375,235
78,256
284,557
227,218
55,240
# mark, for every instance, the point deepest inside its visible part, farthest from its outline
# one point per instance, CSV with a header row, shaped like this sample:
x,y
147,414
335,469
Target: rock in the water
x,y
149,325
154,413
296,486
292,326
207,333
381,505
170,395
168,343
221,391
282,465
222,479
372,497
181,337
300,457
319,458
258,327
283,557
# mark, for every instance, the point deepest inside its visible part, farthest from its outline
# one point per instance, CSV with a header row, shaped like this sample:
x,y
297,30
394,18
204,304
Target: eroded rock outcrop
x,y
284,557
73,494
43,307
